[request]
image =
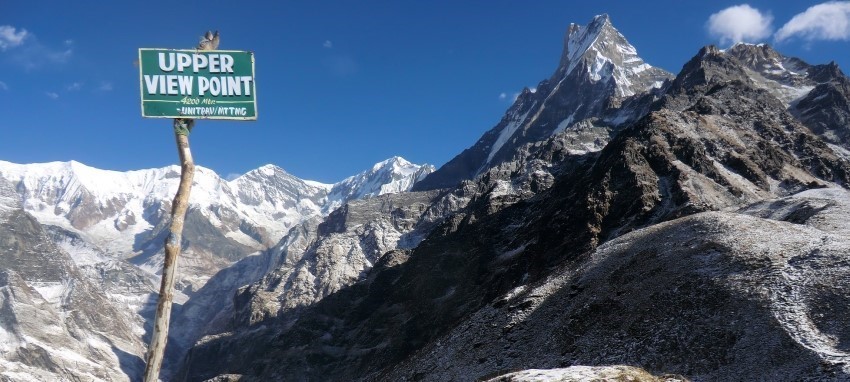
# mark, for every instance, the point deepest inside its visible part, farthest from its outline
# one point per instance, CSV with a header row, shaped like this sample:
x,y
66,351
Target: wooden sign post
x,y
187,85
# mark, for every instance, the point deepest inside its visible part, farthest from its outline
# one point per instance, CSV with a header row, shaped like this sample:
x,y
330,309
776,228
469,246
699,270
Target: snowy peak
x,y
604,54
271,184
579,39
396,165
103,204
387,177
599,85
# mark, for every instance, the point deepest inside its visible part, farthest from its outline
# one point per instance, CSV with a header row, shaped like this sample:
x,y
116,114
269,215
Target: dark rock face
x,y
826,111
613,259
713,296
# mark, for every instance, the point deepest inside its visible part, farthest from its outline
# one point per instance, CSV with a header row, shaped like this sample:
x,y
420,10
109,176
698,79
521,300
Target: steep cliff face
x,y
54,323
600,84
592,242
316,259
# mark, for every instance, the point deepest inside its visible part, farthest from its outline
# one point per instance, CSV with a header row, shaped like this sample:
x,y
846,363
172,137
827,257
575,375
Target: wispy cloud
x,y
3,86
740,23
52,95
11,37
328,44
826,21
25,50
105,86
503,96
36,55
74,86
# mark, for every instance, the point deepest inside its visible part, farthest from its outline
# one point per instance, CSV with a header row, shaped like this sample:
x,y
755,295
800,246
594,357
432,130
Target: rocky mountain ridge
x,y
600,83
706,149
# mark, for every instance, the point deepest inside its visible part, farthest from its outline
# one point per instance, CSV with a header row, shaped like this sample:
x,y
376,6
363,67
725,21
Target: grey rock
x,y
713,139
54,323
713,296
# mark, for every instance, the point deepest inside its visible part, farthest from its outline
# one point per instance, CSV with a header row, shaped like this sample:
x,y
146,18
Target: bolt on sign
x,y
196,84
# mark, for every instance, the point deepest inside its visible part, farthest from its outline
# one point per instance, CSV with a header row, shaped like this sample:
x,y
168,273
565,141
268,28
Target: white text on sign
x,y
176,84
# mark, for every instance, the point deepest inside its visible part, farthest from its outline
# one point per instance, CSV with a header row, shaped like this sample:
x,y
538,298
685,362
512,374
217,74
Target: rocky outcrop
x,y
712,296
348,242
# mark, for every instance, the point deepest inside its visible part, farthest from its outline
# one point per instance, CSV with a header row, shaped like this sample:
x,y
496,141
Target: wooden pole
x,y
156,349
182,127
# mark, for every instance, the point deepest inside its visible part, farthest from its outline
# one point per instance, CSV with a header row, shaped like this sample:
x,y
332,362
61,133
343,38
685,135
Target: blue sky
x,y
340,84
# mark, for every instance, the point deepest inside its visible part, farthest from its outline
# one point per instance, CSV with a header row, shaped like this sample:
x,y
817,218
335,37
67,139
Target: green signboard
x,y
197,84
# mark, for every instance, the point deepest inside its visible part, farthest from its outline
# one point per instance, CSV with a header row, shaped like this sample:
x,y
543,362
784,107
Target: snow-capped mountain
x,y
124,213
108,230
691,227
602,52
596,88
391,176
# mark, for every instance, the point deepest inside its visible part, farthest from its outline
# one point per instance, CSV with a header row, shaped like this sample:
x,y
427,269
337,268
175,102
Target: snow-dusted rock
x,y
600,82
107,229
585,373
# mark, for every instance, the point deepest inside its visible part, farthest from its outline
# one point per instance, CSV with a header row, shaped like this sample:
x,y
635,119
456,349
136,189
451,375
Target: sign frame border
x,y
253,86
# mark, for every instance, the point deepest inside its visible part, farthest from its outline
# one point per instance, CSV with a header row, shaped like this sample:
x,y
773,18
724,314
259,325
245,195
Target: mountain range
x,y
104,230
619,222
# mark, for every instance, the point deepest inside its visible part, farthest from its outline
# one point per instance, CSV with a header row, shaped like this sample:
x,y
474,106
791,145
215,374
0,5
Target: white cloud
x,y
105,86
36,55
826,21
52,95
341,66
10,37
3,86
503,96
328,44
74,87
27,51
740,23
